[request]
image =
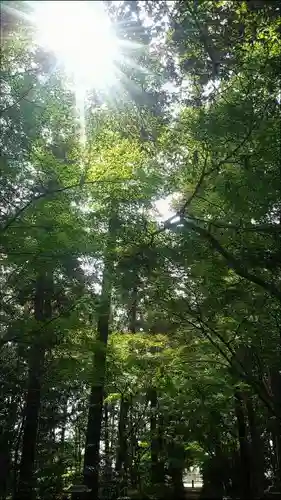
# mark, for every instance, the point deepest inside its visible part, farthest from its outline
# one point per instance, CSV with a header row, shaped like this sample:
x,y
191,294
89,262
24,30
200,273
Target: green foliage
x,y
194,302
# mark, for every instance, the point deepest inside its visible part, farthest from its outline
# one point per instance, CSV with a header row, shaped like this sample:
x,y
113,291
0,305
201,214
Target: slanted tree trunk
x,y
244,447
42,312
93,432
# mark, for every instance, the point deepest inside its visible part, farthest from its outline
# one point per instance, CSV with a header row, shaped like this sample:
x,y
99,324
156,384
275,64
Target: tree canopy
x,y
134,346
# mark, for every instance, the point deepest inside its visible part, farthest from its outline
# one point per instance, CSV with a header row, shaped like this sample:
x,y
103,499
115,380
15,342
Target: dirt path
x,y
192,493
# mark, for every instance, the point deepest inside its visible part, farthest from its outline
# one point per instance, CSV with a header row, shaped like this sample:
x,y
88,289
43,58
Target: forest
x,y
138,341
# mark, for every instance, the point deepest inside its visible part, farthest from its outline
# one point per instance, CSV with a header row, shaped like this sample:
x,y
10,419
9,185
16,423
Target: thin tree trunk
x,y
244,447
79,448
133,449
42,311
63,423
112,429
154,436
108,461
161,462
16,458
122,458
122,450
93,433
107,476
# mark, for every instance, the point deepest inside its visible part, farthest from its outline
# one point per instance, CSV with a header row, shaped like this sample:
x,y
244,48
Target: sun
x,y
82,38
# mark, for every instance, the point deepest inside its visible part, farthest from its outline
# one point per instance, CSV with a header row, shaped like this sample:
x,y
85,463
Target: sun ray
x,y
88,48
80,34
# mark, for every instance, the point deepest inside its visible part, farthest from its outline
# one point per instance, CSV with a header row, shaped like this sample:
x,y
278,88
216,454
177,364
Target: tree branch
x,y
254,228
232,262
55,191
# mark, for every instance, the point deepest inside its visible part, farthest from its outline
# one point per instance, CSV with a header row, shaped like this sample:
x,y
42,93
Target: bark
x,y
63,423
5,464
133,449
244,447
132,314
154,438
257,450
112,429
156,430
7,443
161,463
42,312
107,475
93,433
122,451
276,424
177,481
108,461
16,458
219,478
124,462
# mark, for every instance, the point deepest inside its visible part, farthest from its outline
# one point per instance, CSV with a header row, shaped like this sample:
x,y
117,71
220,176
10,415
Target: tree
x,y
133,349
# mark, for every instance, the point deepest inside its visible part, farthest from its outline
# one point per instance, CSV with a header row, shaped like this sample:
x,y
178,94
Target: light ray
x,y
81,36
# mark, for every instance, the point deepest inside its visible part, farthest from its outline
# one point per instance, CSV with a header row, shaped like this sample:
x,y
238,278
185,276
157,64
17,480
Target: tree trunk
x,y
133,449
257,450
5,463
132,313
154,437
93,433
156,430
161,462
244,447
122,451
8,444
178,487
112,437
276,427
42,311
108,461
107,475
63,423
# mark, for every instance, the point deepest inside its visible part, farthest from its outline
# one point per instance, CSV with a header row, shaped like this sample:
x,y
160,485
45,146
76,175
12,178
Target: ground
x,y
192,493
